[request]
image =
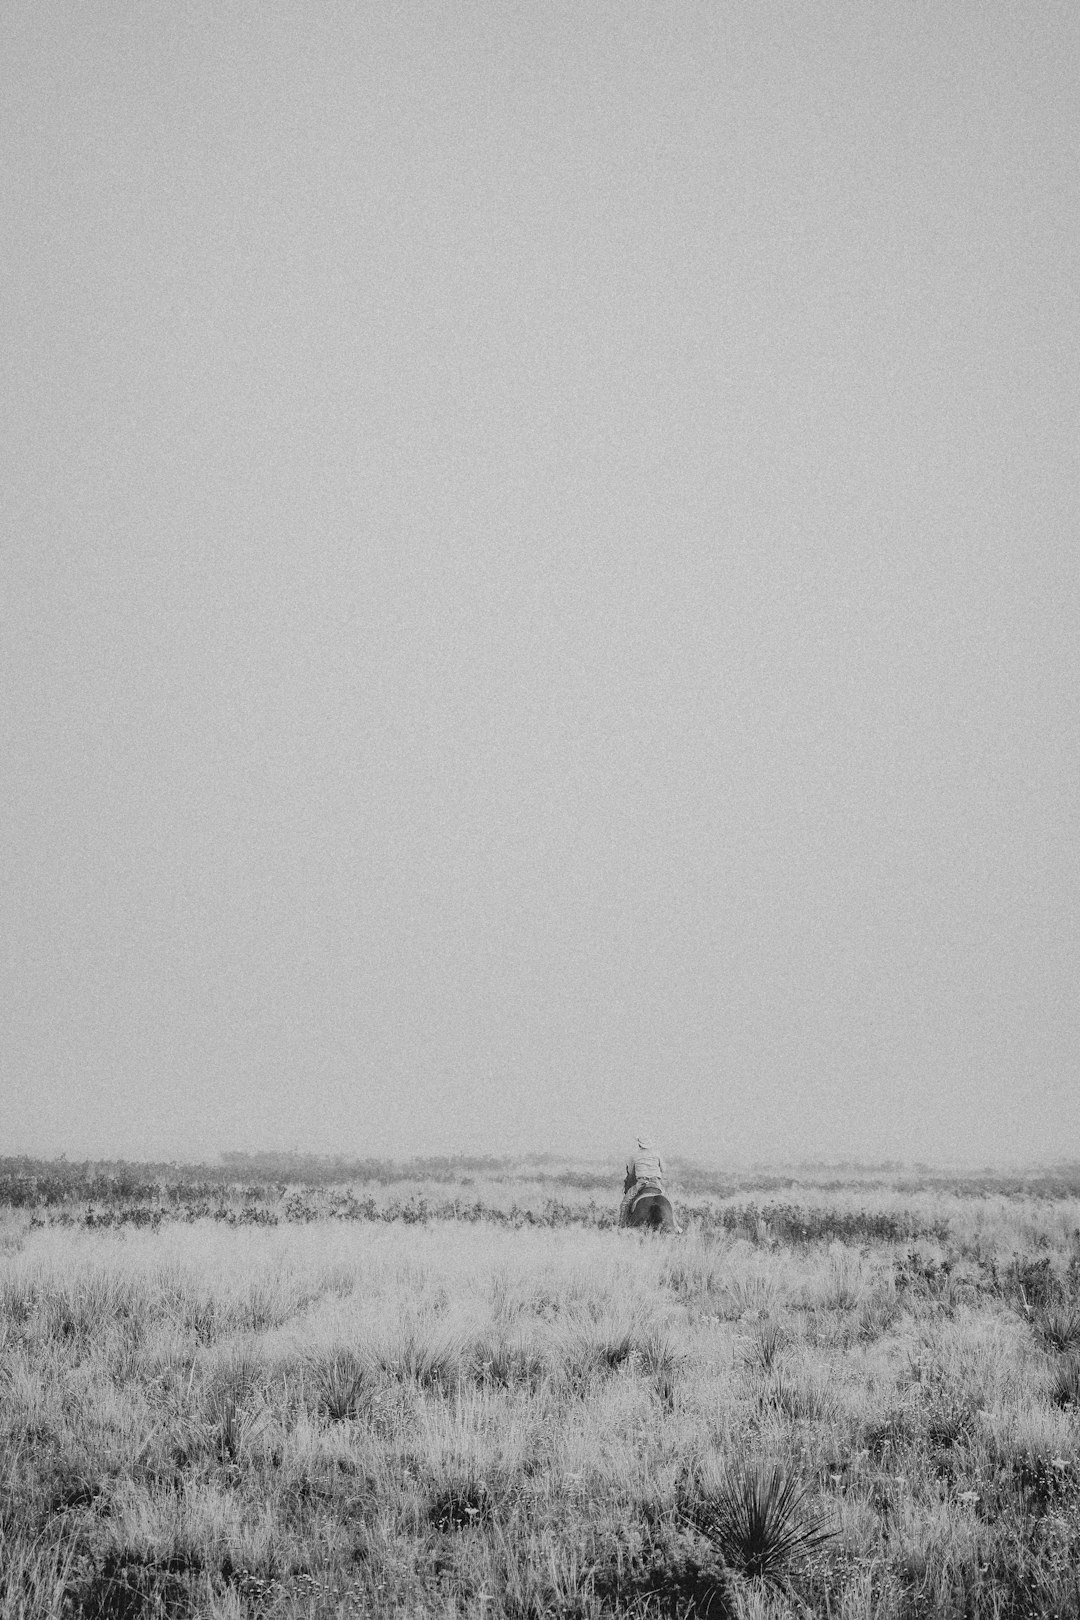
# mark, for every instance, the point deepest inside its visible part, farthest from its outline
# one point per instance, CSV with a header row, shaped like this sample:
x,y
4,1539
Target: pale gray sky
x,y
540,576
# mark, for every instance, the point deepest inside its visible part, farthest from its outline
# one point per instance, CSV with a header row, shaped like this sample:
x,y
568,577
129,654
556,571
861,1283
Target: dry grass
x,y
470,1416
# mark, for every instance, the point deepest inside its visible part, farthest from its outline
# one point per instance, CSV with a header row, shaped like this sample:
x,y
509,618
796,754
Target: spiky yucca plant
x,y
755,1519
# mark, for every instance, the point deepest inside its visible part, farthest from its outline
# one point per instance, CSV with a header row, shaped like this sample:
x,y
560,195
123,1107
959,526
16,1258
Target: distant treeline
x,y
1057,1181
311,1168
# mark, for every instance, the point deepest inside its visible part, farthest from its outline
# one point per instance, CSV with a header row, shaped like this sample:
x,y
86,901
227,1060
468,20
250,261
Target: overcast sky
x,y
540,577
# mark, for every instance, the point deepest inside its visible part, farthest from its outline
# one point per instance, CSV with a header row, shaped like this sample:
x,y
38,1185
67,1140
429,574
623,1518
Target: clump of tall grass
x,y
509,1360
889,1433
343,1384
615,1347
35,1573
1065,1384
695,1267
1034,1281
587,1353
76,1310
757,1519
658,1357
749,1294
949,1418
430,1355
800,1399
766,1347
1057,1325
230,1418
844,1284
876,1314
191,1305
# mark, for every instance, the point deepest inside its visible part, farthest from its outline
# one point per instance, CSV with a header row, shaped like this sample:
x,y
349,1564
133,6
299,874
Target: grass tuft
x,y
231,1421
657,1353
616,1348
343,1385
766,1347
1057,1326
1065,1385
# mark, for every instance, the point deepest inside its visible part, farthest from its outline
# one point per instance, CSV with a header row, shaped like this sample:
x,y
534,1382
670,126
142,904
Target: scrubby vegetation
x,y
270,1396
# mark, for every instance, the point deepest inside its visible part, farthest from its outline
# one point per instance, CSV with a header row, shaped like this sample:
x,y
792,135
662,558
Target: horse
x,y
650,1210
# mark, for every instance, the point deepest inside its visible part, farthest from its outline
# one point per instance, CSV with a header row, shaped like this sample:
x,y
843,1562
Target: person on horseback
x,y
644,1173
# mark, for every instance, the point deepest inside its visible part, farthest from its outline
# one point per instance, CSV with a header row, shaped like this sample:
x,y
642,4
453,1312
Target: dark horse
x,y
652,1210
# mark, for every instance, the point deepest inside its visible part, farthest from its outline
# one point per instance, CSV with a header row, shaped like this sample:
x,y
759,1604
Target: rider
x,y
644,1173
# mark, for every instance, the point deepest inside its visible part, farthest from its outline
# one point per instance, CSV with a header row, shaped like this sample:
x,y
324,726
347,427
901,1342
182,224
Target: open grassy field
x,y
277,1388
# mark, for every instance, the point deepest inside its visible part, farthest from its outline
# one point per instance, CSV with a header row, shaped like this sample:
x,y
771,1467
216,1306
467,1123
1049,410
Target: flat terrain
x,y
280,1388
